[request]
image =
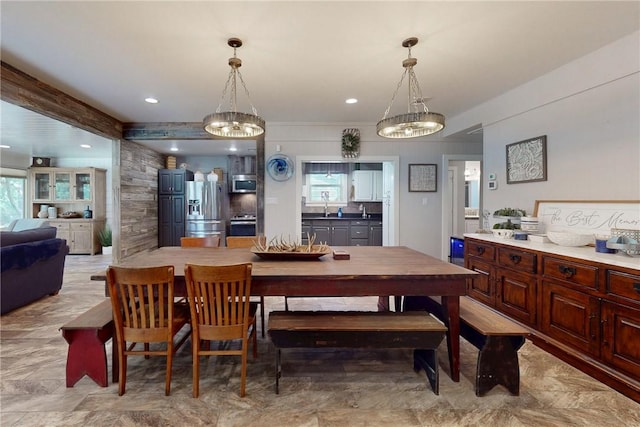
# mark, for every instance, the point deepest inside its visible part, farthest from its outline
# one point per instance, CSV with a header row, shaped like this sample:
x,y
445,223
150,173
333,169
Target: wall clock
x,y
41,161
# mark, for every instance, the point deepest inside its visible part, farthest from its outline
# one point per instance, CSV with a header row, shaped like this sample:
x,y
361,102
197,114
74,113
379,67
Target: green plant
x,y
510,212
105,236
508,225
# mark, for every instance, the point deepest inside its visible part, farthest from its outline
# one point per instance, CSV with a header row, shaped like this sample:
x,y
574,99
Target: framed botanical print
x,y
423,177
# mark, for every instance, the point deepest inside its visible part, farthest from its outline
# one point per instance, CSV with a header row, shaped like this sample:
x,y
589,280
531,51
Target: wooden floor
x,y
319,387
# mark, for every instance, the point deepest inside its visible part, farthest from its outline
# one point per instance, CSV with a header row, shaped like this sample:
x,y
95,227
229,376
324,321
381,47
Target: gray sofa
x,y
32,266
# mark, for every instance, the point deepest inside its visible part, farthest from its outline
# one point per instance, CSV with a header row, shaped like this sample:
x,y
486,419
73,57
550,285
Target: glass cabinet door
x,y
42,186
62,186
83,186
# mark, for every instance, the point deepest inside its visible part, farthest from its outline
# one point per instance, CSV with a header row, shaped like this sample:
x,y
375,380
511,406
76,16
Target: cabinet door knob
x,y
480,250
515,258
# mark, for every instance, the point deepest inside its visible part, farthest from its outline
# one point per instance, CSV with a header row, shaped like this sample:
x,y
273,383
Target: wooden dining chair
x,y
200,242
144,313
244,241
219,301
248,242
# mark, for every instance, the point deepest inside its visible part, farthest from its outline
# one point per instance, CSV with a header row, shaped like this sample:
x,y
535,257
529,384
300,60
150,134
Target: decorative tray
x,y
69,215
318,251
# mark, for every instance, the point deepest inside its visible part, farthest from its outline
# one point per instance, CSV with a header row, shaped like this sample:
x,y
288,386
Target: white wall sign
x,y
582,216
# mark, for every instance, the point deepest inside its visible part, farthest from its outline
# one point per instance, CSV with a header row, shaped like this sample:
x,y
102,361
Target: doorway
x,y
453,195
390,189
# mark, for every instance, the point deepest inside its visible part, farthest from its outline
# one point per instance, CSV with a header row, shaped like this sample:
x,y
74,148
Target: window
x,y
12,198
334,187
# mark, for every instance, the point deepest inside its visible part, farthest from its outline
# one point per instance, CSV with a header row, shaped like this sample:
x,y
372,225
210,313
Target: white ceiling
x,y
301,60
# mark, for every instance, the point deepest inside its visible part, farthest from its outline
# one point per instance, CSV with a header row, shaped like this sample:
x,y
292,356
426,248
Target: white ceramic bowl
x,y
565,238
503,233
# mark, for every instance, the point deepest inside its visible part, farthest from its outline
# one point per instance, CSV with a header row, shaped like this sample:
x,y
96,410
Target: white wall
x,y
419,222
589,109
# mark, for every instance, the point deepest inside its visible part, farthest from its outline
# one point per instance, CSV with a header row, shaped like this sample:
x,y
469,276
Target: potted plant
x,y
105,238
512,216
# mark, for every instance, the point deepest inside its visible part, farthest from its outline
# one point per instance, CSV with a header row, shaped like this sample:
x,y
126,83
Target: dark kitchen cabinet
x,y
340,233
322,232
359,233
343,232
172,205
173,181
375,233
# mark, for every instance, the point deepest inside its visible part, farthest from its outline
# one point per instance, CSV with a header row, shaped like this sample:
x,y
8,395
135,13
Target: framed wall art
x,y
423,177
527,160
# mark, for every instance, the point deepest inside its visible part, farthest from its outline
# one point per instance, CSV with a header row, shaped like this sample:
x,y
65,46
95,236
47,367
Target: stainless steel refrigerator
x,y
205,210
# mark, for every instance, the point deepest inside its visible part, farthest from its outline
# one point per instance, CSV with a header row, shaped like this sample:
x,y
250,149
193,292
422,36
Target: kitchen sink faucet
x,y
325,197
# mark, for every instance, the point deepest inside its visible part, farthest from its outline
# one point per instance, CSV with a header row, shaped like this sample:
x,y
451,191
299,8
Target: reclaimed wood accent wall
x,y
138,198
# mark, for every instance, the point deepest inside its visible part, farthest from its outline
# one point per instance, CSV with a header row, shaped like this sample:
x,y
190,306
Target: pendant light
x,y
233,124
420,121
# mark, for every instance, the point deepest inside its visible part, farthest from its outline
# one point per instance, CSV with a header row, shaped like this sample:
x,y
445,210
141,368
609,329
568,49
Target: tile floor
x,y
319,388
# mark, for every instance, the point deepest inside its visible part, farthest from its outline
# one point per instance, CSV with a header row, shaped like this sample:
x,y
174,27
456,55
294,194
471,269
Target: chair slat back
x,y
200,242
219,299
244,241
142,301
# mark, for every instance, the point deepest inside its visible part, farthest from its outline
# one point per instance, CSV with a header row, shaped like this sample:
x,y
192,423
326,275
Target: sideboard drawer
x,y
486,252
580,274
519,260
623,284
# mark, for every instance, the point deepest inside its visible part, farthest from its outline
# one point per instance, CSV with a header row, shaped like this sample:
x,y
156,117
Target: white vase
x,y
107,250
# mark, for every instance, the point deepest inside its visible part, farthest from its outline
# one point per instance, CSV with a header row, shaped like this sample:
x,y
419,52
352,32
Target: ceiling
x,y
301,60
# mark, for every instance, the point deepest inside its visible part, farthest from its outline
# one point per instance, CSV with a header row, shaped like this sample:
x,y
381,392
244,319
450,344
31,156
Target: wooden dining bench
x,y
87,335
331,329
497,338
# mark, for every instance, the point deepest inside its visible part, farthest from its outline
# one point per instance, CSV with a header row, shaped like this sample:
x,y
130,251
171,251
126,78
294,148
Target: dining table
x,y
367,271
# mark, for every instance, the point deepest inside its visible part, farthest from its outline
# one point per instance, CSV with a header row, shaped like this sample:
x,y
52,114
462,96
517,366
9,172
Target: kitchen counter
x,y
583,252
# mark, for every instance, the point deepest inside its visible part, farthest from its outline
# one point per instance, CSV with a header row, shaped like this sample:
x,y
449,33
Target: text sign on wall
x,y
588,216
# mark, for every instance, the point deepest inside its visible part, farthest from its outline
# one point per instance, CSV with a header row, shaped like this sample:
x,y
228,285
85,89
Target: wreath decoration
x,y
350,143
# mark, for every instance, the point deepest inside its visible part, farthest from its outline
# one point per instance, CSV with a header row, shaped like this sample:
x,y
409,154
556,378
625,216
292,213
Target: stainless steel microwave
x,y
243,184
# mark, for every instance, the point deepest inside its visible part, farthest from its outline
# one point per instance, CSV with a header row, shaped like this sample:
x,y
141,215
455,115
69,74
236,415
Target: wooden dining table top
x,y
397,270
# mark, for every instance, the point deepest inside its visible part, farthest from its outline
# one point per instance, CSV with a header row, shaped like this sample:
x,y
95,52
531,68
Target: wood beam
x,y
166,130
19,88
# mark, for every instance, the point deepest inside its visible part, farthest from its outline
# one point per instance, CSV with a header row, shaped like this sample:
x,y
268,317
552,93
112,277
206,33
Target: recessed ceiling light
x,y
351,101
4,146
85,146
173,149
233,149
151,100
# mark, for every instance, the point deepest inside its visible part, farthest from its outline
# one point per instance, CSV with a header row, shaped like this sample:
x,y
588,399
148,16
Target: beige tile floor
x,y
319,388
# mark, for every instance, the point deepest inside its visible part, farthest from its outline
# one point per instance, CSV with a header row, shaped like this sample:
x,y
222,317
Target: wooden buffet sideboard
x,y
581,306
